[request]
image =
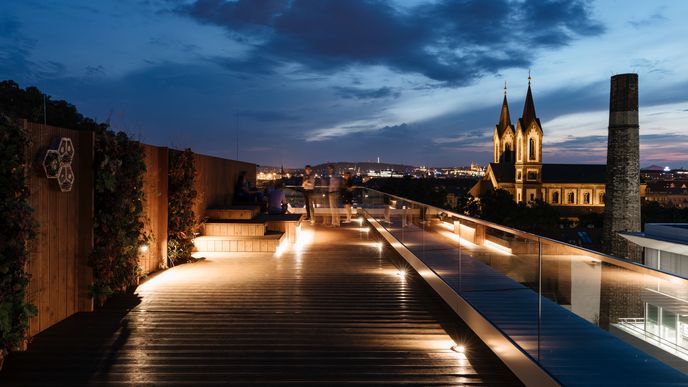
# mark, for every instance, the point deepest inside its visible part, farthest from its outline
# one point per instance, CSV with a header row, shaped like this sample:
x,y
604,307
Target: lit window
x,y
532,149
586,198
571,198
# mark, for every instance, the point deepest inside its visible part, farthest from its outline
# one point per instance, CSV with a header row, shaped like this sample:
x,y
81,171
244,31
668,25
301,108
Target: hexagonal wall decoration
x,y
51,163
57,164
66,150
65,178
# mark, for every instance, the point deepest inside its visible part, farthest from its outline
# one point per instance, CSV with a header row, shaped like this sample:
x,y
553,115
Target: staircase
x,y
245,229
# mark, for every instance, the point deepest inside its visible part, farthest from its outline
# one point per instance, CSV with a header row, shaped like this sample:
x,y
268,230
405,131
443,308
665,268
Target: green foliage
x,y
118,219
182,222
498,206
29,104
17,228
429,191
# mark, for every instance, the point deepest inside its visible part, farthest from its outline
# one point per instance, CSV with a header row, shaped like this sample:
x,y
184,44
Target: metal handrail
x,y
534,237
629,323
524,234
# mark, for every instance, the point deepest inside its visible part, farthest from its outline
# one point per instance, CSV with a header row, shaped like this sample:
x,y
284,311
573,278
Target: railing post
x,y
479,234
539,241
459,280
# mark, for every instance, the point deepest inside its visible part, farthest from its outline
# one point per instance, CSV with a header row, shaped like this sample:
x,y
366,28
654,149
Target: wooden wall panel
x,y
58,265
61,248
215,181
155,208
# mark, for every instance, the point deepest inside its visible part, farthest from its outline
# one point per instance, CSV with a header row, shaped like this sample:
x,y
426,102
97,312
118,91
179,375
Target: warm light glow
x,y
143,249
401,272
464,243
497,247
304,239
447,226
359,220
380,245
282,248
458,348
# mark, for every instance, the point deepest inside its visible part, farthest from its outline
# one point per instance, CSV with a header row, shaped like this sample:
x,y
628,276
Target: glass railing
x,y
566,307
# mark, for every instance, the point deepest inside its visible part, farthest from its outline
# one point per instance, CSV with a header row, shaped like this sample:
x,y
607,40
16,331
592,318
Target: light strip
x,y
497,247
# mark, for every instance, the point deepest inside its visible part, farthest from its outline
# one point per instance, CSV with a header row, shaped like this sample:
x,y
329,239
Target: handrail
x,y
608,258
628,323
522,363
527,235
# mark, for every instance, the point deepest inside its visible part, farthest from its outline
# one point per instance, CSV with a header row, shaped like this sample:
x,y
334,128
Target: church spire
x,y
504,117
529,107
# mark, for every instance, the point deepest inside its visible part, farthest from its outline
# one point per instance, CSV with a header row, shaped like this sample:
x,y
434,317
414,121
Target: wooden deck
x,y
335,313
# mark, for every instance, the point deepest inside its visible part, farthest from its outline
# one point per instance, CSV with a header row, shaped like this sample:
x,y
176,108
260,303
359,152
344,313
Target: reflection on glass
x,y
534,278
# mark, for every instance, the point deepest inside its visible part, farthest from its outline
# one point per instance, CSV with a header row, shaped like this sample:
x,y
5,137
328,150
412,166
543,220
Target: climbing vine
x,y
182,222
17,227
118,218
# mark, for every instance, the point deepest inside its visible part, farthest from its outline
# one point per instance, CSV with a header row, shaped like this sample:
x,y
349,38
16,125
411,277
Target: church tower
x,y
528,153
504,136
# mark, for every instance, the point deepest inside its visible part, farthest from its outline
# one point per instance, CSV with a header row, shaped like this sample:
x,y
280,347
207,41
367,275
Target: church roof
x,y
529,115
503,172
504,118
574,173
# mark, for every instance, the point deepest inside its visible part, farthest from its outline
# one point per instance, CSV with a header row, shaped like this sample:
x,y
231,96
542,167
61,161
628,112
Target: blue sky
x,y
415,82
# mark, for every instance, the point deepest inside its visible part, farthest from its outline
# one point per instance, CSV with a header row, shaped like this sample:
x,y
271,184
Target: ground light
x,y
282,248
401,273
458,348
143,249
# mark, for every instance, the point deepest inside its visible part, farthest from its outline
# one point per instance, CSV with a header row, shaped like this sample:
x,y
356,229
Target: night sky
x,y
414,82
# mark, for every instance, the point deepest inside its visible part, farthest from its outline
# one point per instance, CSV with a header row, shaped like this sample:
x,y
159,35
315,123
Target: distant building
x,y
666,186
672,193
517,166
665,246
662,328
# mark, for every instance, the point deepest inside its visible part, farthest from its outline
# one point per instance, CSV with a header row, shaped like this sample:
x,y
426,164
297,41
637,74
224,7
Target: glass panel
x,y
669,324
652,319
539,291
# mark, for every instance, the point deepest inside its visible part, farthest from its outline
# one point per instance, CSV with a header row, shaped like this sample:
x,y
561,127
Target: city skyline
x,y
412,82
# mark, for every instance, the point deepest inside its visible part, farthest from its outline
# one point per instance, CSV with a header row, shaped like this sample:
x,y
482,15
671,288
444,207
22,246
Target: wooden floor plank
x,y
335,313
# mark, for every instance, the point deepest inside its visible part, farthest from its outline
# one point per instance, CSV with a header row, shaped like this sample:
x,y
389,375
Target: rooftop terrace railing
x,y
533,299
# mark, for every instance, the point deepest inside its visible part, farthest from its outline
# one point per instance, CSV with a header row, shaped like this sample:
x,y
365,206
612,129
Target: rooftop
x,y
333,311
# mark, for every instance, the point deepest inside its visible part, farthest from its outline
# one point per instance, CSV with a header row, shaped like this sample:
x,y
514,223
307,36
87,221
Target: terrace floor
x,y
334,313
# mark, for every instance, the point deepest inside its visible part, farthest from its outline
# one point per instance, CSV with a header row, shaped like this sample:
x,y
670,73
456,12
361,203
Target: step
x,y
286,223
234,228
264,243
233,212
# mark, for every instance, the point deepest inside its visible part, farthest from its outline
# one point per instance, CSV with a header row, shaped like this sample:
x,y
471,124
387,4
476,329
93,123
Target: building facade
x,y
517,166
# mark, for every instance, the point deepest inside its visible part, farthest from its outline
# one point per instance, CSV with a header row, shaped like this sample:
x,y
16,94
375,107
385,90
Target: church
x,y
517,166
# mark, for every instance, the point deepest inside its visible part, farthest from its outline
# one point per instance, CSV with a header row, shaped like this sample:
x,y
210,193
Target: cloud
x,y
649,21
449,42
362,127
465,138
357,93
267,115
